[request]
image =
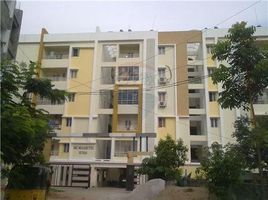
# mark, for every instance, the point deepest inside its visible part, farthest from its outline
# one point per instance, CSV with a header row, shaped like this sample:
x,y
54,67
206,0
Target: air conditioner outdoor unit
x,y
162,80
162,104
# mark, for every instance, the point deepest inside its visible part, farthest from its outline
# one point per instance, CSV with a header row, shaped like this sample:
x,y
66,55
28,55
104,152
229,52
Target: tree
x,y
24,128
170,155
248,138
247,75
222,167
245,78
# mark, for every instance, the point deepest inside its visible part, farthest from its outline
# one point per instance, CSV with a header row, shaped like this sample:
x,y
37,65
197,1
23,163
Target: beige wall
x,y
181,39
26,52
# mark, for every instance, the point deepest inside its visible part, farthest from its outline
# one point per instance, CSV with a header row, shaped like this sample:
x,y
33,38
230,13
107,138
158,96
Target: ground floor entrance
x,y
91,175
70,175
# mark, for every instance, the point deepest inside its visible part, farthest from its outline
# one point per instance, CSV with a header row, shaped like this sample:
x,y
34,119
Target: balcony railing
x,y
56,78
56,56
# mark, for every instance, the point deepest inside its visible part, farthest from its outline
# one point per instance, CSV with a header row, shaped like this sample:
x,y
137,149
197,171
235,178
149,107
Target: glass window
x,y
161,122
75,52
161,50
73,73
66,147
162,96
214,122
71,97
128,73
128,97
162,72
213,96
68,121
109,53
123,146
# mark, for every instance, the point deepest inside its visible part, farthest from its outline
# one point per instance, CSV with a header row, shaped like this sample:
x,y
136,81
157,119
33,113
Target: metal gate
x,y
70,175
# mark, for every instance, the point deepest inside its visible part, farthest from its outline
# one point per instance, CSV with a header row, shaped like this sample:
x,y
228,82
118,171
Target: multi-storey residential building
x,y
127,91
11,18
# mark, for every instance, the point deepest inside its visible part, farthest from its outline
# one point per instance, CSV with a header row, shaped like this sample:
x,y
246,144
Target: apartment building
x,y
127,91
108,112
11,18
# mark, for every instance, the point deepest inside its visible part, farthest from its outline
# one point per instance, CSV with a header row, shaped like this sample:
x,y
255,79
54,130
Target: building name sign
x,y
83,149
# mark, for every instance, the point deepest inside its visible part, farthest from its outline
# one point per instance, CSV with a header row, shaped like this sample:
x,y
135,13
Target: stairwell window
x,y
71,97
73,73
75,52
66,147
68,121
214,122
161,50
213,96
161,122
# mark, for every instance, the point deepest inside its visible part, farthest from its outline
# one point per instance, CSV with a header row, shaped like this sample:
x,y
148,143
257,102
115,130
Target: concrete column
x,y
112,148
93,177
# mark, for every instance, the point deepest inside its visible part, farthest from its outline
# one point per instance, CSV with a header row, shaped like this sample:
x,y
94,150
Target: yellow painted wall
x,y
210,62
214,109
84,64
170,129
65,129
63,154
211,86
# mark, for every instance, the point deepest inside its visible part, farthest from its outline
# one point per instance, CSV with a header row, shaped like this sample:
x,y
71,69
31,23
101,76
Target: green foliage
x,y
24,128
251,140
247,76
222,167
170,155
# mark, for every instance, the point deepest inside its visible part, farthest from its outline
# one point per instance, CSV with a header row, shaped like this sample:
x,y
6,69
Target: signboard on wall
x,y
83,149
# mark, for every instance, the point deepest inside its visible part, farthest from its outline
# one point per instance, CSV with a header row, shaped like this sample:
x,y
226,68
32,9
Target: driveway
x,y
73,193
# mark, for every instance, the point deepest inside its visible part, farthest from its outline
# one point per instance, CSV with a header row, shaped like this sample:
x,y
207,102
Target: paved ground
x,y
68,193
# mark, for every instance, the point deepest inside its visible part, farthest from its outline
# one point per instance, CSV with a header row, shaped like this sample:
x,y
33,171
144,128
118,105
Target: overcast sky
x,y
84,16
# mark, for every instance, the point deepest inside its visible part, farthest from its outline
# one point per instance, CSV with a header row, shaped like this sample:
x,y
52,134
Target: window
x,y
128,97
109,53
162,72
213,96
161,122
128,73
211,70
73,73
195,153
192,91
209,48
123,146
128,124
214,122
66,147
71,97
162,96
75,52
68,121
161,50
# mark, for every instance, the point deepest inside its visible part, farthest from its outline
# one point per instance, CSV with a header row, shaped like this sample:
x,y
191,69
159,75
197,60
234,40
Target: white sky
x,y
84,16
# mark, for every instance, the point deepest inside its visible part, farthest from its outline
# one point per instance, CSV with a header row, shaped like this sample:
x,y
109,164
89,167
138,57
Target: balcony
x,y
55,63
129,53
56,57
52,109
127,122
